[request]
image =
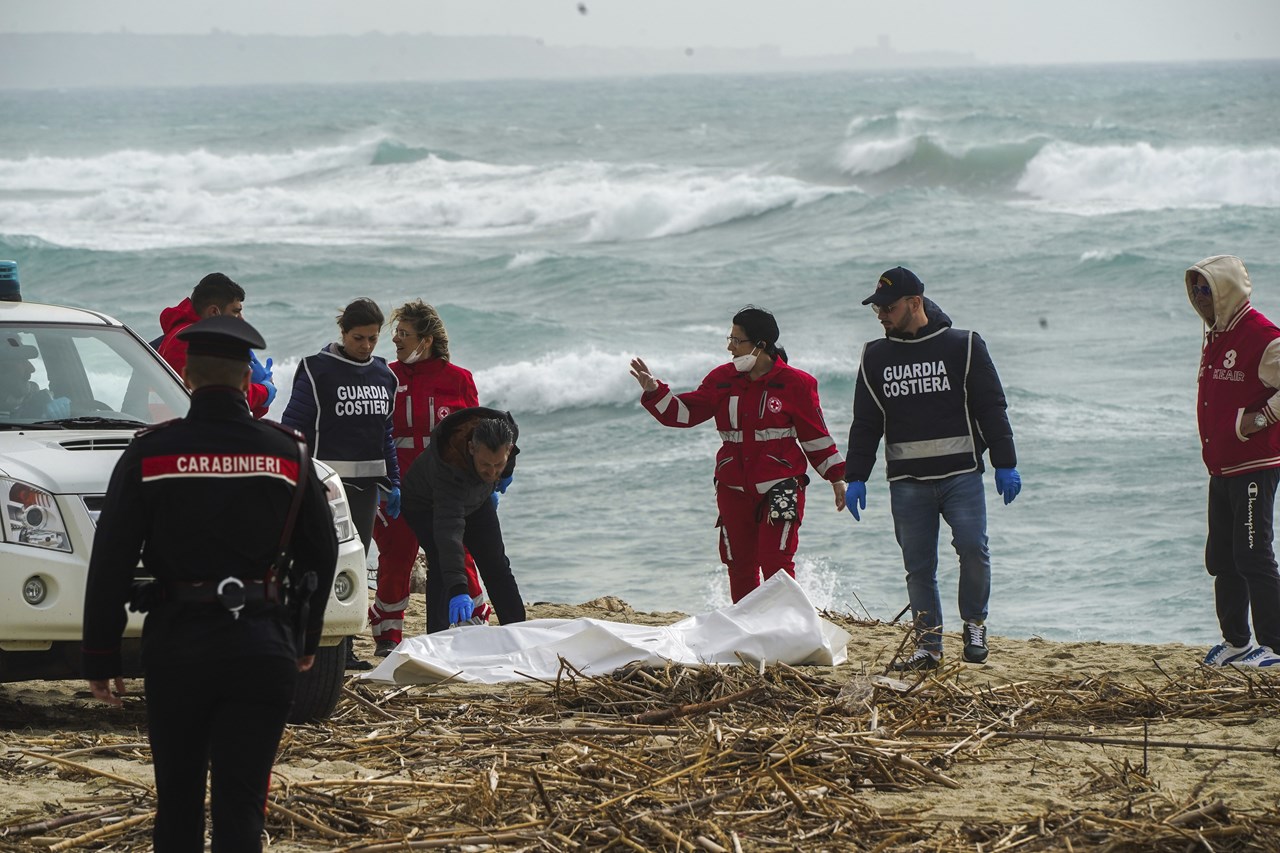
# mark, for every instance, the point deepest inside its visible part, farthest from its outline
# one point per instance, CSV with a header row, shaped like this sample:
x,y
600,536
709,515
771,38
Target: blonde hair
x,y
426,323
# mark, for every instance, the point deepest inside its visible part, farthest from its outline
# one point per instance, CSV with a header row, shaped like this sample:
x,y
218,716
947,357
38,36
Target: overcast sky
x,y
1000,31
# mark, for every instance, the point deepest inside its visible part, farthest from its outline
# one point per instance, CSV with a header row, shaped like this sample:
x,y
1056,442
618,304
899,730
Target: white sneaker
x,y
1225,654
1262,656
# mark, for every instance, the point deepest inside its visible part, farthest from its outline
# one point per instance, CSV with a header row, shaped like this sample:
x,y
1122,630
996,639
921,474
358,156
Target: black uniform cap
x,y
222,337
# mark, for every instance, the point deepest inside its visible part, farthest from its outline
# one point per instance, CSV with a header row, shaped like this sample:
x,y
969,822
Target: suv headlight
x,y
32,517
338,506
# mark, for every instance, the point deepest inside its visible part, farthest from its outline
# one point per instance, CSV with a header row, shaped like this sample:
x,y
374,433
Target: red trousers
x,y
397,550
749,545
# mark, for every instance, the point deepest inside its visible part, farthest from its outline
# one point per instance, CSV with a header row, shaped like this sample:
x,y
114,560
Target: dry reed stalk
x,y
58,823
91,771
102,832
754,758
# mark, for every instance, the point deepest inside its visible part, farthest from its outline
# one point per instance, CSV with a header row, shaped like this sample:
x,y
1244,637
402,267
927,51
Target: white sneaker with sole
x,y
1225,654
1262,656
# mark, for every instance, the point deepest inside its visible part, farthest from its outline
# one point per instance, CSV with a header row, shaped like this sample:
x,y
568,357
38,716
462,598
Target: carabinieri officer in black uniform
x,y
230,519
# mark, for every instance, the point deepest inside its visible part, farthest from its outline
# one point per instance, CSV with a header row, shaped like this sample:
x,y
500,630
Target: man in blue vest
x,y
933,393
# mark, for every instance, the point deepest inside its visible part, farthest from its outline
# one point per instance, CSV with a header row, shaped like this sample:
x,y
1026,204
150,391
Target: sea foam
x,y
1141,176
582,379
199,169
585,378
355,193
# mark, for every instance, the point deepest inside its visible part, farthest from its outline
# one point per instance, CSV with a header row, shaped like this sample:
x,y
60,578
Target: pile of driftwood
x,y
688,759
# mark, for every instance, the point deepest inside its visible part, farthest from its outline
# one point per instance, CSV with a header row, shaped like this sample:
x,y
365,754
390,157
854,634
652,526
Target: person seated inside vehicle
x,y
19,396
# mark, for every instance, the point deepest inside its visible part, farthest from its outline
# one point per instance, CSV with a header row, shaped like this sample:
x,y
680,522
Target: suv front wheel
x,y
318,689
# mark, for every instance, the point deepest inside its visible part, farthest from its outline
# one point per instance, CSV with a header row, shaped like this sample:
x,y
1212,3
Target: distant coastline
x,y
74,60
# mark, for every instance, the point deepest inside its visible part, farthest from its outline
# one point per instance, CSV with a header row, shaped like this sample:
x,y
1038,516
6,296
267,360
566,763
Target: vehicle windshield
x,y
71,375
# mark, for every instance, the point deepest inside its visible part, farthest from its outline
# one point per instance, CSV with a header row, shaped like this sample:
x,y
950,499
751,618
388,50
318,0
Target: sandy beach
x,y
1049,746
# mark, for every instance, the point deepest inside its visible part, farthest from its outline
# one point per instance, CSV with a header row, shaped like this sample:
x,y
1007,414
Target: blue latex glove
x,y
503,483
855,498
460,608
494,497
1008,484
271,390
260,374
393,502
58,407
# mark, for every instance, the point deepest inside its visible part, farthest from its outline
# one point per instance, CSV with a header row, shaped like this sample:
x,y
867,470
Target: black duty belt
x,y
231,593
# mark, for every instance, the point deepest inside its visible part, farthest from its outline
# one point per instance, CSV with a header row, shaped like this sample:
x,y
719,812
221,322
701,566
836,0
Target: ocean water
x,y
563,228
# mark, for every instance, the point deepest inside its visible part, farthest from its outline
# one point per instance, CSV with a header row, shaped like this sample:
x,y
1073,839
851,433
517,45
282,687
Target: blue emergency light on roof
x,y
10,290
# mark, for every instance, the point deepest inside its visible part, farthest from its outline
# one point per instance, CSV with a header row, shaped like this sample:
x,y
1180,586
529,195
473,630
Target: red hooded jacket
x,y
1239,373
174,350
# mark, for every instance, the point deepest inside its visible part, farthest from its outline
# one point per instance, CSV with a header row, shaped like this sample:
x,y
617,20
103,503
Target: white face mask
x,y
744,363
416,355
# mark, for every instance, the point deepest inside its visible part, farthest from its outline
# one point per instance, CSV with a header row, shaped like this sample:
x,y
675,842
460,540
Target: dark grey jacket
x,y
442,485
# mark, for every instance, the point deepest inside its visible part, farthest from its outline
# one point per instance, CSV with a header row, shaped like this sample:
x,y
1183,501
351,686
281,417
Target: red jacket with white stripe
x,y
1239,374
769,426
427,392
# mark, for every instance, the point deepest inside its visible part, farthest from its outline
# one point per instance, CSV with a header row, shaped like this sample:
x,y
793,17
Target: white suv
x,y
75,386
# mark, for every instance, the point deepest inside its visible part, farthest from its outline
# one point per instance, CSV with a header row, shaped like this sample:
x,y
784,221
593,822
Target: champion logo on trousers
x,y
1252,491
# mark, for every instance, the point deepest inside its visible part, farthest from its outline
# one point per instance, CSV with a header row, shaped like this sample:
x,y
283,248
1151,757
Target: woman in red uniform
x,y
770,420
429,387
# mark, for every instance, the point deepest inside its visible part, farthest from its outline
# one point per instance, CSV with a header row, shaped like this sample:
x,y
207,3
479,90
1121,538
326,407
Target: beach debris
x,y
611,603
705,758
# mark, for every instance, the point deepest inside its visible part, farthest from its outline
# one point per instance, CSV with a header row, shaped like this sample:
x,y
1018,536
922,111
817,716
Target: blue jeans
x,y
917,505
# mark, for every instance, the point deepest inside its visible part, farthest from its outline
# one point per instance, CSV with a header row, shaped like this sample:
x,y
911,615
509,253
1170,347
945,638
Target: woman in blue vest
x,y
342,401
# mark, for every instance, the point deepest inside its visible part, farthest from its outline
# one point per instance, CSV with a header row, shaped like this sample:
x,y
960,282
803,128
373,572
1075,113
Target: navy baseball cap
x,y
893,285
222,336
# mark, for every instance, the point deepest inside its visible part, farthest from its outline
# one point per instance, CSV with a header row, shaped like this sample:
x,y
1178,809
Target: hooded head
x,y
1218,288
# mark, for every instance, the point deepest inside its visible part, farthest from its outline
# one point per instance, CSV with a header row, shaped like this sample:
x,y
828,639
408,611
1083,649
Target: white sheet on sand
x,y
775,623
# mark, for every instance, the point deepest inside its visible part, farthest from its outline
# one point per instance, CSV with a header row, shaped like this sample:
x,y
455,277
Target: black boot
x,y
354,662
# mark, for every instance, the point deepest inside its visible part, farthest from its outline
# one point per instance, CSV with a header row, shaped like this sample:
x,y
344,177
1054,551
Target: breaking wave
x,y
370,191
929,160
978,153
1143,177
